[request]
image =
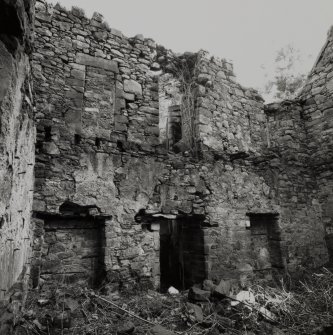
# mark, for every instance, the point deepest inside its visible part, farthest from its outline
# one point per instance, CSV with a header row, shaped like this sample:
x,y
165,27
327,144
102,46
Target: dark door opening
x,y
182,259
265,241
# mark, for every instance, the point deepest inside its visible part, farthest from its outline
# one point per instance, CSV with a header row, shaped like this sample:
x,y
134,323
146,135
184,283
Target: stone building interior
x,y
121,159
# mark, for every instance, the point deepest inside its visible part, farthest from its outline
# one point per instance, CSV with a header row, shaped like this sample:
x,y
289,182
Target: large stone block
x,y
159,330
330,86
101,63
132,86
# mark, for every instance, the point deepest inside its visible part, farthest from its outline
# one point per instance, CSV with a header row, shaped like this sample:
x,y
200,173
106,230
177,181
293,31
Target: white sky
x,y
247,32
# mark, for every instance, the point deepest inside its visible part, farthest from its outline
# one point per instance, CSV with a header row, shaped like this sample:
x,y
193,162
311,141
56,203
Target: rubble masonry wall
x,y
17,138
98,143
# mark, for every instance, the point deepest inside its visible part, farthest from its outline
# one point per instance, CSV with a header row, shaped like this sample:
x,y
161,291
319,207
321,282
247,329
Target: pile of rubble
x,y
63,308
71,309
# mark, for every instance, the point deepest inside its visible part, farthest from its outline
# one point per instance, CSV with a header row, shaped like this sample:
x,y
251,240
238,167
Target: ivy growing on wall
x,y
186,69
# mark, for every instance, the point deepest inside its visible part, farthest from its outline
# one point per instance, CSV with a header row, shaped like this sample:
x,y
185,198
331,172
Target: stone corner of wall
x,y
330,33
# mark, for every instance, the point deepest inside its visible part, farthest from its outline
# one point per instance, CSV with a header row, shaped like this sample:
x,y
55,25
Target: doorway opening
x,y
182,259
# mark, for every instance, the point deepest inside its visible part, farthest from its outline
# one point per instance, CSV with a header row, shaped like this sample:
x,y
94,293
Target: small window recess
x,y
48,134
173,127
98,142
77,139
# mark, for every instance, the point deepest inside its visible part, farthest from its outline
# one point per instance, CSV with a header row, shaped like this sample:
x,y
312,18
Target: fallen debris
x,y
173,291
159,330
197,295
305,307
122,309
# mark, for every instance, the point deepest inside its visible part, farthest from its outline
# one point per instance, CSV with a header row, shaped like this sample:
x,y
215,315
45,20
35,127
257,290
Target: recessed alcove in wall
x,y
77,139
170,126
47,133
265,241
170,99
73,245
97,142
174,126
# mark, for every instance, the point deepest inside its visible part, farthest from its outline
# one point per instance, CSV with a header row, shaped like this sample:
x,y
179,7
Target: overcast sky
x,y
247,32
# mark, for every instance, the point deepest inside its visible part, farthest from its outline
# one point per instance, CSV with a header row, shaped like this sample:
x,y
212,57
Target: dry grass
x,y
305,307
299,307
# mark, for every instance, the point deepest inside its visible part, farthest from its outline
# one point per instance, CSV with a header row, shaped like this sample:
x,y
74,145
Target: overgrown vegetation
x,y
78,11
301,306
185,68
288,80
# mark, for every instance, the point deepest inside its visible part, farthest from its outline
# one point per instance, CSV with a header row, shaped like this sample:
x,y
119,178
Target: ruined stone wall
x,y
270,147
17,137
289,172
221,194
104,87
95,95
285,130
225,192
102,103
230,118
97,122
317,100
